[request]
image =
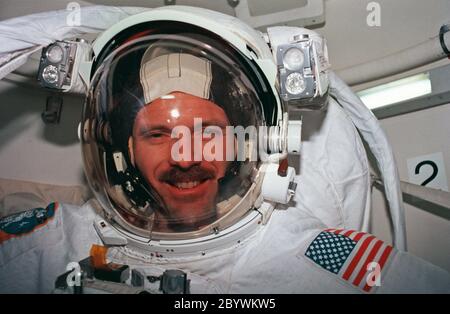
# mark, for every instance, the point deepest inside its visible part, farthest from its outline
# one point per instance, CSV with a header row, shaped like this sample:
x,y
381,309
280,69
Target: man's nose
x,y
184,164
187,156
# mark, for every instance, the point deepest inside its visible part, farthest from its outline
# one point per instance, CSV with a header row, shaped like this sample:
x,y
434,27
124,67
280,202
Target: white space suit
x,y
234,225
272,259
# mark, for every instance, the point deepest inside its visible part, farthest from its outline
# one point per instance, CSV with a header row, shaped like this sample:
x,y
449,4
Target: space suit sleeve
x,y
26,241
410,274
372,266
36,246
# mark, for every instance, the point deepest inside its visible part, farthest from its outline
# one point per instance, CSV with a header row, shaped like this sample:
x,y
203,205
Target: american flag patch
x,y
350,254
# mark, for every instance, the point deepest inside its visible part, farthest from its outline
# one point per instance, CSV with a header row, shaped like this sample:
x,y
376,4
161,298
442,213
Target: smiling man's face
x,y
187,188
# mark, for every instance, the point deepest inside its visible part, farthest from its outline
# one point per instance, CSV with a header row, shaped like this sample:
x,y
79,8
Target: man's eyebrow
x,y
161,127
213,122
147,128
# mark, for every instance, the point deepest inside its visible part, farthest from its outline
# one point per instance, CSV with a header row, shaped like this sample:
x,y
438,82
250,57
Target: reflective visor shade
x,y
158,143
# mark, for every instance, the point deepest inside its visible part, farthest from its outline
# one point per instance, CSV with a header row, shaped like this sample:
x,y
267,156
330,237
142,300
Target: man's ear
x,y
131,150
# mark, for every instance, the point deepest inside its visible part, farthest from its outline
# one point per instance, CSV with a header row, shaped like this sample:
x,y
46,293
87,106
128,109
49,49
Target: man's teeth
x,y
187,185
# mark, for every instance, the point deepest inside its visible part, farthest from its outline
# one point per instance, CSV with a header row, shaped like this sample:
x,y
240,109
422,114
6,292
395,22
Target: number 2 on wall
x,y
433,175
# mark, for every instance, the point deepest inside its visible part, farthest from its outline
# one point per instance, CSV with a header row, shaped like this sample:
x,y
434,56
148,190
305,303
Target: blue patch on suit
x,y
26,221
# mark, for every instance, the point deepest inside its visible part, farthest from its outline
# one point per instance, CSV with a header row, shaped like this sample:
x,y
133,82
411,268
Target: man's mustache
x,y
196,173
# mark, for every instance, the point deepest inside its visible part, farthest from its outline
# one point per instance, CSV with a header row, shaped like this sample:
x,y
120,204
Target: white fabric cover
x,y
334,180
371,130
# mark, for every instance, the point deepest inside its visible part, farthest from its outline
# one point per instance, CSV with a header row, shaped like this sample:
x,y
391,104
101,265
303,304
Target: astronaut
x,y
185,138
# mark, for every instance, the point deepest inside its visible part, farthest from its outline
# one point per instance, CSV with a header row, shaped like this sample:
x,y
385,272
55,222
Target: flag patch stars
x,y
330,250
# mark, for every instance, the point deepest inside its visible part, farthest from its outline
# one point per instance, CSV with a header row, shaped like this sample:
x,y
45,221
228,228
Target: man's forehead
x,y
178,108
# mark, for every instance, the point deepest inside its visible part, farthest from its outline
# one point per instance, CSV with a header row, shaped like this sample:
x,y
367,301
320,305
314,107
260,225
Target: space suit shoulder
x,y
357,258
26,222
369,265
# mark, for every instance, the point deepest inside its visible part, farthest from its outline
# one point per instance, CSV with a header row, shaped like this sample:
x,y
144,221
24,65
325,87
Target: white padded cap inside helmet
x,y
180,72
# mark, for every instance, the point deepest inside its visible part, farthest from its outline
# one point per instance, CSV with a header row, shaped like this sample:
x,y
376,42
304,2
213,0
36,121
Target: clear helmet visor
x,y
164,139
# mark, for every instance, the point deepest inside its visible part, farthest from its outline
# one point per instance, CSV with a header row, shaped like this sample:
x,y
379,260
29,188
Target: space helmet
x,y
181,122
